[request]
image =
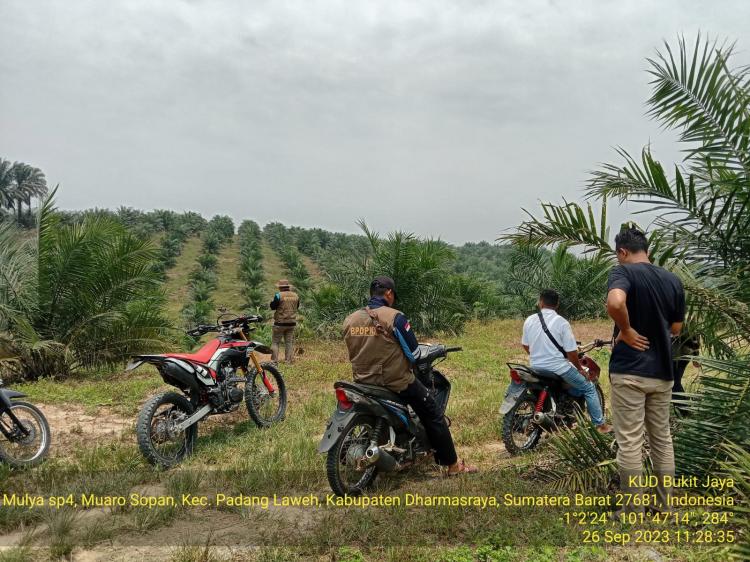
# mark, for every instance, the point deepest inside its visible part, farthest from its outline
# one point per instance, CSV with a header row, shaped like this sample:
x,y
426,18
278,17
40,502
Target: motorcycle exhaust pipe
x,y
382,459
543,420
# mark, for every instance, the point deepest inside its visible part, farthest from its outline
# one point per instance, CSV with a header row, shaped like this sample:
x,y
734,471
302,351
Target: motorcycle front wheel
x,y
348,473
265,396
158,440
24,450
520,433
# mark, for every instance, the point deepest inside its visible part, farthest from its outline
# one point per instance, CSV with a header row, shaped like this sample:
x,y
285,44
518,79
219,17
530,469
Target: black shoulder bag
x,y
550,336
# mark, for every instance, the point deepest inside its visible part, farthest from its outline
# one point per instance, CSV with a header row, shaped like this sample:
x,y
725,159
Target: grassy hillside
x,y
228,291
273,268
176,285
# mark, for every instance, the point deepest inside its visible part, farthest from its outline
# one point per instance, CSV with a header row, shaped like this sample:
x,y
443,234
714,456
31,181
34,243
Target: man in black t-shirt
x,y
647,304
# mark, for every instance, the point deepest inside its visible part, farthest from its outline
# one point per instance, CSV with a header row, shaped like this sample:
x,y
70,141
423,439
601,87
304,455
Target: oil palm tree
x,y
581,281
78,296
702,231
6,183
29,182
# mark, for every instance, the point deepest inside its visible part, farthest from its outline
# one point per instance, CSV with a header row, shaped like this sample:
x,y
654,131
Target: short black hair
x,y
632,240
381,284
549,297
378,291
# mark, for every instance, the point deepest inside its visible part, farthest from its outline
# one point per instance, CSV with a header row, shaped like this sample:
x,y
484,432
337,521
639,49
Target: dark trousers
x,y
679,370
433,420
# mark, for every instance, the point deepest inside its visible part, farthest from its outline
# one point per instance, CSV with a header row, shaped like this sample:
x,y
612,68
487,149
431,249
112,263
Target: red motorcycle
x,y
213,380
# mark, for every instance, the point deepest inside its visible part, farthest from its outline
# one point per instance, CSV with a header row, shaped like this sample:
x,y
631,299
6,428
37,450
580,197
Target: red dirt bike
x,y
214,380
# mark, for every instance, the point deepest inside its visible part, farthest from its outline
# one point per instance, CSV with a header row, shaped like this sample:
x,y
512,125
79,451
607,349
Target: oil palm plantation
x,y
702,229
79,296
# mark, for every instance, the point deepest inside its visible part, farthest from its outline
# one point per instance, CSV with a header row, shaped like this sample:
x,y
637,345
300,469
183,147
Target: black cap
x,y
383,282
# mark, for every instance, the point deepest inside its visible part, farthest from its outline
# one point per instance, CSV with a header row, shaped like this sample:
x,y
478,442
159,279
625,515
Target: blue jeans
x,y
581,386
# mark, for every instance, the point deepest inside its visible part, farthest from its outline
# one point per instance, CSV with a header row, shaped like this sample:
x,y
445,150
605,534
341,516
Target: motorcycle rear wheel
x,y
344,476
518,422
31,449
157,441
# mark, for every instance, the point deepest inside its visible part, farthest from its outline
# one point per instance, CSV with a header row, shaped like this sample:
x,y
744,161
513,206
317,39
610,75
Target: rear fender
x,y
512,395
338,422
133,365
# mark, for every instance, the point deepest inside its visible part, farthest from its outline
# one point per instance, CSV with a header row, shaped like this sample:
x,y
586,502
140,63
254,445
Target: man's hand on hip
x,y
633,339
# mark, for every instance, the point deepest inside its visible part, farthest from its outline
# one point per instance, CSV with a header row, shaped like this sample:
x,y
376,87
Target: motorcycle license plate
x,y
511,396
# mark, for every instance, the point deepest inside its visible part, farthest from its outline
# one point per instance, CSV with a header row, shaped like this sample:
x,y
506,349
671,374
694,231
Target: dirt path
x,y
72,427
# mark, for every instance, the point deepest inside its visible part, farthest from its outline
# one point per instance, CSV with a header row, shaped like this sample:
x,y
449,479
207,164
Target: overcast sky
x,y
433,116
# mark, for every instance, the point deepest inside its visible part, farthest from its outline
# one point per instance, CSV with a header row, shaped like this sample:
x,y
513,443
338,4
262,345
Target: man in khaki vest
x,y
284,304
382,349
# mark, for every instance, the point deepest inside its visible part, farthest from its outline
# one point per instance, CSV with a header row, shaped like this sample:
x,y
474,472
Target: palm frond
x,y
582,459
720,410
737,467
695,92
569,224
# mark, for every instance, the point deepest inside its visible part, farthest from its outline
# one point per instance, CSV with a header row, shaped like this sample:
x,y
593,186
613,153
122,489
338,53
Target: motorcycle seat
x,y
203,355
372,390
549,375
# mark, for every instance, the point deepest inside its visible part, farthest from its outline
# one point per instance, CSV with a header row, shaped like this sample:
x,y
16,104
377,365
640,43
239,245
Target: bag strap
x,y
374,317
550,336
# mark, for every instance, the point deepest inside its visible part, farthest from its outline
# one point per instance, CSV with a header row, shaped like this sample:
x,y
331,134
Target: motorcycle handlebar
x,y
201,329
597,343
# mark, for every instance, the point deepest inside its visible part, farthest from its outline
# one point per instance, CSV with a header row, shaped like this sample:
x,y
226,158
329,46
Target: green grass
x,y
123,392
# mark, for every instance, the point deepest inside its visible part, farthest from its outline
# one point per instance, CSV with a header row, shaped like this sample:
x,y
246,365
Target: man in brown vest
x,y
284,304
382,349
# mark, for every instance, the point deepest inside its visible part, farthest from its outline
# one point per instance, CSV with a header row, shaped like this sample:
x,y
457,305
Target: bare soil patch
x,y
72,426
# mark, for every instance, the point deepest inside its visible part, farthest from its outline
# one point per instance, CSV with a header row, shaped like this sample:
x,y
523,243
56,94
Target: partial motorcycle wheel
x,y
265,396
25,450
520,433
158,440
600,394
348,473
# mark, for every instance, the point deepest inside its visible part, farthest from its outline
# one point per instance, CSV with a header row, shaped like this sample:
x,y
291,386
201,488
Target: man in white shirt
x,y
561,355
